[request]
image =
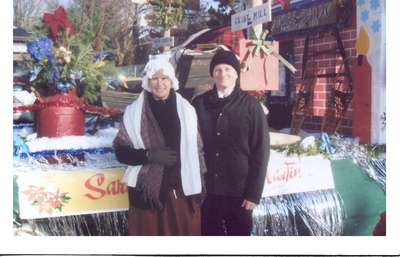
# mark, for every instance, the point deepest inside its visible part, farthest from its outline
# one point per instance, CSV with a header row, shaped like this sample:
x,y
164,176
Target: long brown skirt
x,y
180,217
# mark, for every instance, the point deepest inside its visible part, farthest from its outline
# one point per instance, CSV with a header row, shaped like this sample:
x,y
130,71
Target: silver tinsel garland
x,y
321,212
349,148
318,213
95,224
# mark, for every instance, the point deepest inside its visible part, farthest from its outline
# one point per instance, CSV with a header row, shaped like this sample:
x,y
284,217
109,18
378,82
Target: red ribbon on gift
x,y
58,20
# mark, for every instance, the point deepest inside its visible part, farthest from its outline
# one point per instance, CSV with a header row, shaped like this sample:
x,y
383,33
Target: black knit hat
x,y
226,57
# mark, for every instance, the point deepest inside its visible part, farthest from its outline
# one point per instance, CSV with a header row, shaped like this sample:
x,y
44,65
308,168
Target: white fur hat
x,y
156,63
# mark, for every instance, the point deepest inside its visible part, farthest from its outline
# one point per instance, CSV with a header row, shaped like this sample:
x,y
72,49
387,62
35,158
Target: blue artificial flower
x,y
64,87
40,48
326,144
20,147
52,60
46,45
103,55
99,56
361,2
54,75
76,76
34,73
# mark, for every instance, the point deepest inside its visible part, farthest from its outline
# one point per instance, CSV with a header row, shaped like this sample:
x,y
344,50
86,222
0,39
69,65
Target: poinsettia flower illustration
x,y
46,201
35,193
45,208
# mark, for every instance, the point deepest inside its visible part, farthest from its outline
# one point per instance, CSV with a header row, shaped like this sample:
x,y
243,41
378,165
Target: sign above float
x,y
309,17
251,17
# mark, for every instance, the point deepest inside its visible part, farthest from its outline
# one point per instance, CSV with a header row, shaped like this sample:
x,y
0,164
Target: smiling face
x,y
224,76
160,85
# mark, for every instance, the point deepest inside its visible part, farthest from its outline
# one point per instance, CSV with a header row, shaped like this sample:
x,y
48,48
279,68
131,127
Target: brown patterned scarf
x,y
150,175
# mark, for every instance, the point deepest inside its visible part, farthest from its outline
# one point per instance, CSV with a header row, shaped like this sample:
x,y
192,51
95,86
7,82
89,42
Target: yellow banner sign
x,y
60,193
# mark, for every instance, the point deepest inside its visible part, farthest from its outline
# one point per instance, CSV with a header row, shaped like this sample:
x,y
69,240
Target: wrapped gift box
x,y
263,70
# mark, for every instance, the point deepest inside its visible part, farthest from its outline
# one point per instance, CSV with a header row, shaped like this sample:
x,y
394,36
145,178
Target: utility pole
x,y
167,31
256,30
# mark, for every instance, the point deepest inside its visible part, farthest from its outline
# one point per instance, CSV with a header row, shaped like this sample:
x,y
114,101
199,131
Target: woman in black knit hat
x,y
236,147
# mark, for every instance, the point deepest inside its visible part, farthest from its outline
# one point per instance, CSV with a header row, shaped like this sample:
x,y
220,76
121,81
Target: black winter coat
x,y
236,143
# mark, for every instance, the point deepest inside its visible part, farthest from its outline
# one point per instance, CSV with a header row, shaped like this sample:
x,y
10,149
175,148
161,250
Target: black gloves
x,y
163,156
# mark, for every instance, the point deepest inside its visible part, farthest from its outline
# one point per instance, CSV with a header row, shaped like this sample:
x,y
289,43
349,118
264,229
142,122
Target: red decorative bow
x,y
58,20
284,3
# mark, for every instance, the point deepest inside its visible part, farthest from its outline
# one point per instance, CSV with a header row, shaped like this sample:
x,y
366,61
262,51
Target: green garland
x,y
296,149
374,150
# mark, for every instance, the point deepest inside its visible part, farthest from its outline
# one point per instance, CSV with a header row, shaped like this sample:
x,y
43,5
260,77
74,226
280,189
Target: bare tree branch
x,y
26,11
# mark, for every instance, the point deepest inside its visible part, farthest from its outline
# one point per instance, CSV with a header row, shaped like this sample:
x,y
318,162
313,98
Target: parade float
x,y
70,184
309,190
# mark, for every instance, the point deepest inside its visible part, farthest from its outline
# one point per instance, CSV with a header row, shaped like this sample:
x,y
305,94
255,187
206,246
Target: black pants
x,y
223,215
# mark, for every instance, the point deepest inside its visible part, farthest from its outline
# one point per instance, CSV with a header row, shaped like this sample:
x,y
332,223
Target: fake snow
x,y
103,138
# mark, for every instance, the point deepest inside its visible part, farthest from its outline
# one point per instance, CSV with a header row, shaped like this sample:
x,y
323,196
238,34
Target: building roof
x,y
219,35
21,35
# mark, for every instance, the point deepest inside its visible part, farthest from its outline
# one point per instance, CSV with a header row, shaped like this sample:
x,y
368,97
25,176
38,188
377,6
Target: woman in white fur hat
x,y
159,142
